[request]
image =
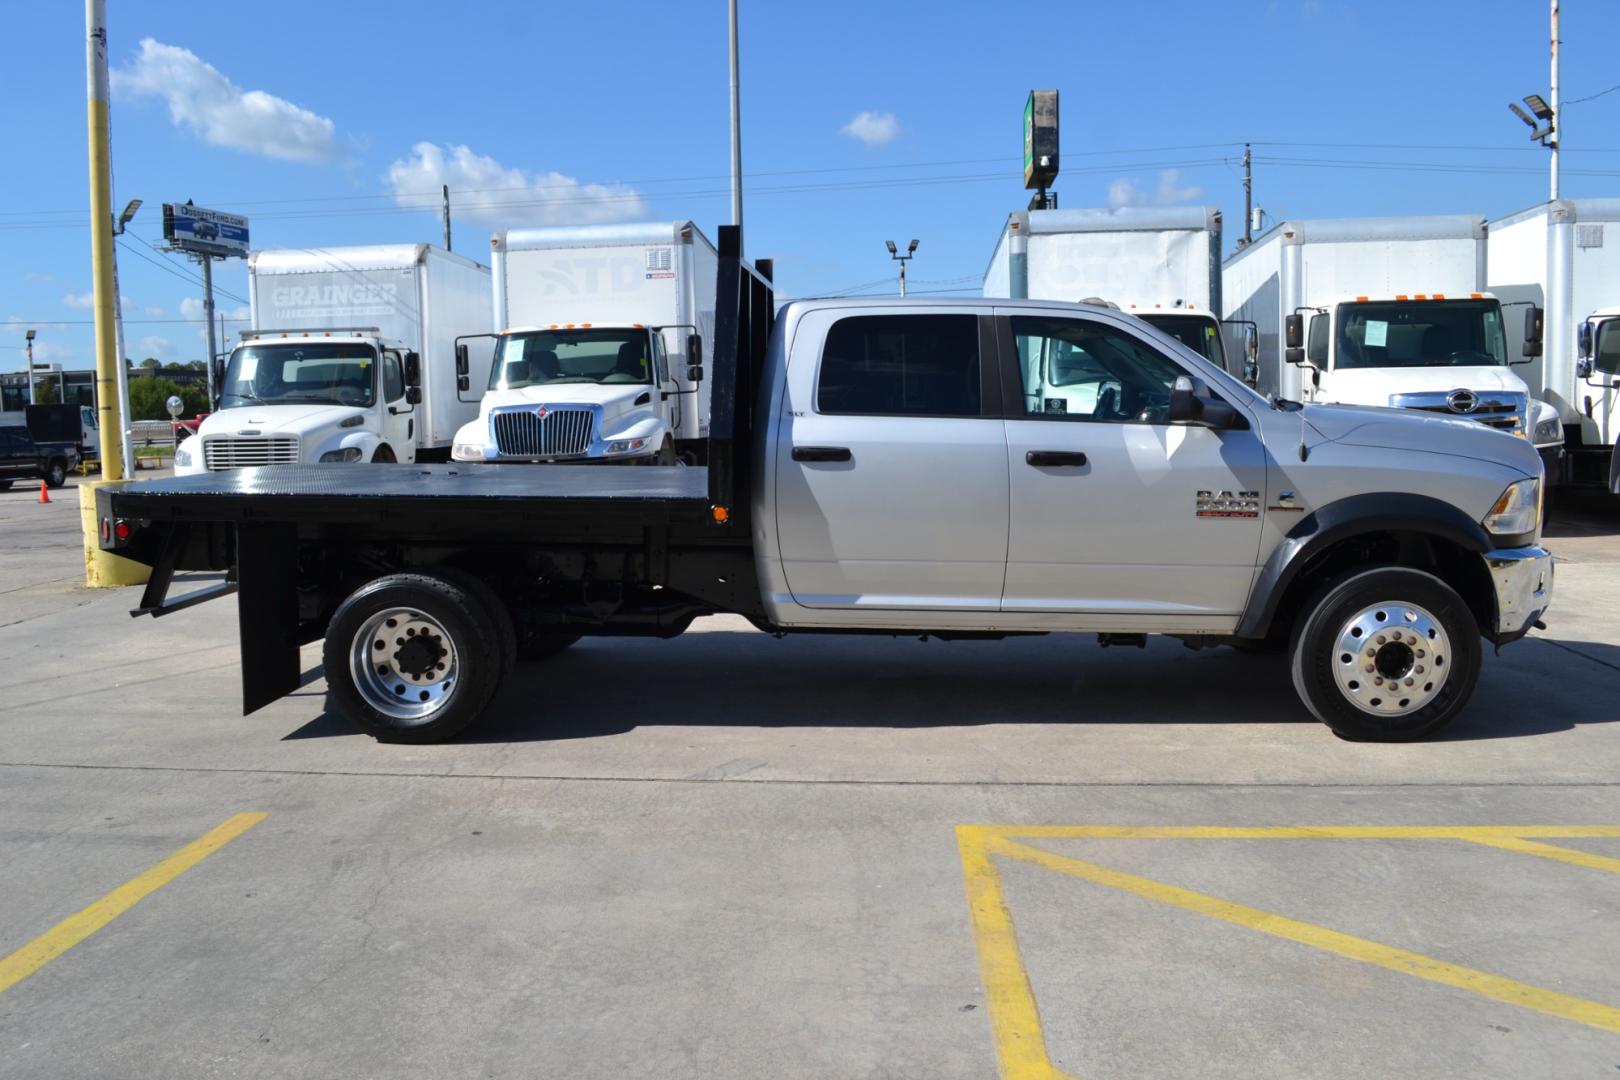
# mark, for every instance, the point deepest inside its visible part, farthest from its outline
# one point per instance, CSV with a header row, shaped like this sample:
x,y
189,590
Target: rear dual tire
x,y
1386,655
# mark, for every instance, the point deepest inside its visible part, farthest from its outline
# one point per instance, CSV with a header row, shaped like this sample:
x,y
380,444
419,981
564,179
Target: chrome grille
x,y
524,432
229,453
1504,411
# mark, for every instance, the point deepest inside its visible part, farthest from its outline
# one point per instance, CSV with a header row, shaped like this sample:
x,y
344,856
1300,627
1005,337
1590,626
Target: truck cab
x,y
1424,351
309,397
1597,367
583,392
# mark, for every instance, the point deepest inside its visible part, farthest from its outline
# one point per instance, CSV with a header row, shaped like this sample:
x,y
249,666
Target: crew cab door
x,y
1114,510
12,464
399,417
891,463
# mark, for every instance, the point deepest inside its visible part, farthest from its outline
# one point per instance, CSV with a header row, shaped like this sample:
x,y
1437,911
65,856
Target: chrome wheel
x,y
1391,659
403,662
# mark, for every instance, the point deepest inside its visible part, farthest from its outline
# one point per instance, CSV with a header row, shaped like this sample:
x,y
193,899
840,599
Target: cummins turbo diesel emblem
x,y
1228,504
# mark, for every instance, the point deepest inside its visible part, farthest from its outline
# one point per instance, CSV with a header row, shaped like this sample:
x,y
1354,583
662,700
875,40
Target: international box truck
x,y
1161,264
1563,259
1385,312
352,358
599,336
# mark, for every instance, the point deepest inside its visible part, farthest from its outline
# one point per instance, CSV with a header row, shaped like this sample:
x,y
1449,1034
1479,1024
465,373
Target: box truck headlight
x,y
348,453
1518,510
182,457
466,451
627,446
1549,430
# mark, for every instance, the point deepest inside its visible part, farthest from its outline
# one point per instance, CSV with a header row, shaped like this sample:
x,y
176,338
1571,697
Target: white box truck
x,y
1383,312
1563,259
600,336
352,357
1161,264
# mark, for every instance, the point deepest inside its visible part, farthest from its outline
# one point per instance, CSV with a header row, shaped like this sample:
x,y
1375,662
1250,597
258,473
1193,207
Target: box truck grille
x,y
1504,412
541,431
226,453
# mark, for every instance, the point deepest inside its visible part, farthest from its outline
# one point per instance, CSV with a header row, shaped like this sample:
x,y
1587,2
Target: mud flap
x,y
267,607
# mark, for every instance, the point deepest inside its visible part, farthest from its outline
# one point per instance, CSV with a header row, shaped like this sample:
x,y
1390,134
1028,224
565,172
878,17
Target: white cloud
x,y
1170,190
873,128
153,345
155,313
495,194
35,275
205,101
86,300
191,309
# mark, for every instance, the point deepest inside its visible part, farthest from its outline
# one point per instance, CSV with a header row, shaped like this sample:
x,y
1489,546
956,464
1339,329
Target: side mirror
x,y
694,373
694,351
463,383
1583,368
1294,339
413,395
1191,403
1583,340
463,363
1532,331
413,371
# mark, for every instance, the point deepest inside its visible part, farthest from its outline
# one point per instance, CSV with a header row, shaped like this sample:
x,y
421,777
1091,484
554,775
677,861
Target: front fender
x,y
365,441
1375,512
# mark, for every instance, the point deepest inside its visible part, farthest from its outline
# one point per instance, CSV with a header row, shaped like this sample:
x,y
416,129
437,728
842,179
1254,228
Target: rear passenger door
x,y
891,462
9,465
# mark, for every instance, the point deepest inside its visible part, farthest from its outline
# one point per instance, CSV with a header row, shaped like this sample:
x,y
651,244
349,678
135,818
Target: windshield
x,y
330,373
1193,331
552,357
1421,333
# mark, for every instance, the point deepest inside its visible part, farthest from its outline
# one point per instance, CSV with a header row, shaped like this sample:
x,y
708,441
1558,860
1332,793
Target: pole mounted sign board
x,y
204,232
1040,139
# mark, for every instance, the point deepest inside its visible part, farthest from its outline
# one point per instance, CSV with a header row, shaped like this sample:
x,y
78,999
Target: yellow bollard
x,y
103,569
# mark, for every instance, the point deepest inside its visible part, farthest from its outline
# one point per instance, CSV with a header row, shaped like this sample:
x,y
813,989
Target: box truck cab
x,y
353,359
582,392
1422,351
1598,369
599,349
312,397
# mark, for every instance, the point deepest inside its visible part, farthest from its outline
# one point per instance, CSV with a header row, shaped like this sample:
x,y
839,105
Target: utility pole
x,y
208,316
1248,198
1557,122
736,127
102,255
447,217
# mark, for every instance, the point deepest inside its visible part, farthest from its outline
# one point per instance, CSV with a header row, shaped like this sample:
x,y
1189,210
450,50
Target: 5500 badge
x,y
1228,504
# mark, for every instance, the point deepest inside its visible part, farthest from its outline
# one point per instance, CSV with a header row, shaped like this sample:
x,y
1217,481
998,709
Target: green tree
x,y
147,394
151,363
45,392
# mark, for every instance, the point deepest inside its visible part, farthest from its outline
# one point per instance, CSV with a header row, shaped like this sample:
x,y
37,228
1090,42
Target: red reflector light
x,y
121,530
106,530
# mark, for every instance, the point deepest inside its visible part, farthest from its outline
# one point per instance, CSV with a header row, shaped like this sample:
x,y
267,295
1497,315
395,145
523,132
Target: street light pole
x,y
29,339
736,126
1557,120
894,253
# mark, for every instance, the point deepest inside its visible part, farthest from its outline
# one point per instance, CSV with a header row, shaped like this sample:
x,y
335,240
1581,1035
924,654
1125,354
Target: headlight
x,y
627,446
1547,431
182,457
348,453
1517,511
466,451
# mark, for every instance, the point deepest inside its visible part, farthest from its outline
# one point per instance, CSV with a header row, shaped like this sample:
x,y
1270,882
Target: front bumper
x,y
1522,578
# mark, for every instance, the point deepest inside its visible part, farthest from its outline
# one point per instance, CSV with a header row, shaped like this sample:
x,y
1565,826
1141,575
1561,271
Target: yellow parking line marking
x,y
1591,1013
75,928
1297,832
1014,1021
1552,851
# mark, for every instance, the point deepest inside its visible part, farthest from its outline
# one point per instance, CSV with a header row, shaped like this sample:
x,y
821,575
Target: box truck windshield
x,y
552,357
1201,335
300,373
1423,333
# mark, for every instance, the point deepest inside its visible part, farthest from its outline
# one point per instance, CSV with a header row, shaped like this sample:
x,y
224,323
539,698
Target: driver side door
x,y
1114,510
398,415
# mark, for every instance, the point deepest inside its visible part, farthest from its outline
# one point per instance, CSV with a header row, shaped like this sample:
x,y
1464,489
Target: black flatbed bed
x,y
352,494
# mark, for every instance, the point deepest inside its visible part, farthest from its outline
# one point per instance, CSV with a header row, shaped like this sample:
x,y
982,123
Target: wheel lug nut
x,y
1420,669
1368,669
1371,653
1382,639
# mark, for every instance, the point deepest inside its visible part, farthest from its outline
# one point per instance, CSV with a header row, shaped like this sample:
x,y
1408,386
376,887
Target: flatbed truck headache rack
x,y
623,551
1376,547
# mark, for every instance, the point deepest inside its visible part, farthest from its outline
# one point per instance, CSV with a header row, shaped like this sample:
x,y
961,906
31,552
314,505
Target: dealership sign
x,y
204,232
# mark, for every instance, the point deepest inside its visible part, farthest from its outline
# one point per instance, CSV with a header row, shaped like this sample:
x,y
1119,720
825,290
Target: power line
x,y
1591,97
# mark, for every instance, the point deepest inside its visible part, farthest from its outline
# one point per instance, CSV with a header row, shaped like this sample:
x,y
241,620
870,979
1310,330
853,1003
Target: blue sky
x,y
861,122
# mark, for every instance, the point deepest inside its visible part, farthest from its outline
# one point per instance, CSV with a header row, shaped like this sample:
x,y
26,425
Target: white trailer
x,y
1383,311
1564,258
352,357
1161,264
601,332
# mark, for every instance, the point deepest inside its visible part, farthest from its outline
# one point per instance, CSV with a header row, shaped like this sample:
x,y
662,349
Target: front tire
x,y
1386,655
55,473
413,658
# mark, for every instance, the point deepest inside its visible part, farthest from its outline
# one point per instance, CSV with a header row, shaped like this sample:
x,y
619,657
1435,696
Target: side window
x,y
660,360
1316,346
393,377
901,365
1091,371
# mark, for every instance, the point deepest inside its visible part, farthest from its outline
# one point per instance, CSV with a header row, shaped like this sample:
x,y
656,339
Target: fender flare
x,y
1384,511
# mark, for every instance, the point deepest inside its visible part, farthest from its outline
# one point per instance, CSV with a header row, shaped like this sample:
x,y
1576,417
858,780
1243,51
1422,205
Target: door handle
x,y
821,453
1041,458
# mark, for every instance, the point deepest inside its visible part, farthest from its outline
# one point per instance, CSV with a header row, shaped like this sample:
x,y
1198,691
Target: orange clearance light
x,y
585,326
638,326
1439,296
721,515
1420,296
1361,299
1401,296
1476,296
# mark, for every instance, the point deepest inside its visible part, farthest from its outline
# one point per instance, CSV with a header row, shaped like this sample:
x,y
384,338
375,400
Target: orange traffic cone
x,y
43,497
